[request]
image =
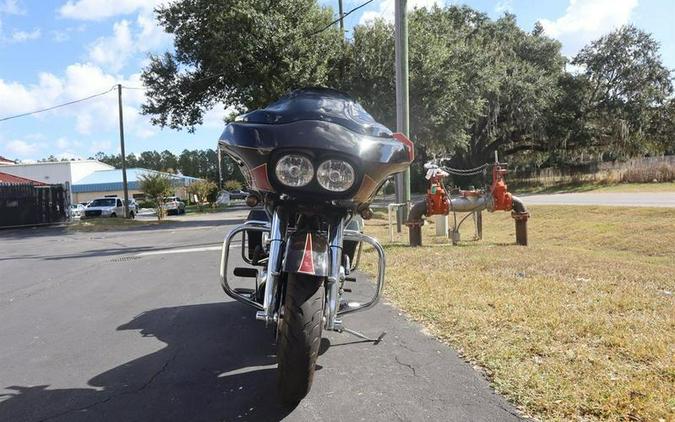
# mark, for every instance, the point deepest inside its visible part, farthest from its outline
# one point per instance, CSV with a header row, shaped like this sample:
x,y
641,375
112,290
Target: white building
x,y
59,172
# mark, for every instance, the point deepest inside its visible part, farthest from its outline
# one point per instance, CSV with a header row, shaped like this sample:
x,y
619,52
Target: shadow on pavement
x,y
40,231
111,252
218,365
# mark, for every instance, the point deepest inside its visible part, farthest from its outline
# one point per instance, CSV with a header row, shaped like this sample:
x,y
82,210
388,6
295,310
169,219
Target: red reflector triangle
x,y
307,264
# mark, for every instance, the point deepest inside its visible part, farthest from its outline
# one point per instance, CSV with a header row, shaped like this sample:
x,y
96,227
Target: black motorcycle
x,y
314,161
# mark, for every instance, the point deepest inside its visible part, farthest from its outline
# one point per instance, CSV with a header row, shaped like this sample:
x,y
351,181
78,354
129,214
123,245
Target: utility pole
x,y
124,157
342,23
402,102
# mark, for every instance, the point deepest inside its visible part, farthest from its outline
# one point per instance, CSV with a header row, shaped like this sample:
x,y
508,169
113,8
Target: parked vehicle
x,y
223,198
238,194
133,208
76,210
173,205
315,159
109,207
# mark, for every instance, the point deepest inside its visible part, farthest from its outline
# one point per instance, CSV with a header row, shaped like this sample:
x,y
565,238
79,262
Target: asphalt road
x,y
133,326
617,199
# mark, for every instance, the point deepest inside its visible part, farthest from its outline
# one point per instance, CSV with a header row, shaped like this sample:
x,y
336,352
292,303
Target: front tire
x,y
299,336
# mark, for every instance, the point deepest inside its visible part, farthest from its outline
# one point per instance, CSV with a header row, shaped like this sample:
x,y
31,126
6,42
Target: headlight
x,y
294,170
335,175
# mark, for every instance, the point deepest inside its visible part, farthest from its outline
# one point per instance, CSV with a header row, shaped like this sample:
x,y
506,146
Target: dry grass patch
x,y
580,325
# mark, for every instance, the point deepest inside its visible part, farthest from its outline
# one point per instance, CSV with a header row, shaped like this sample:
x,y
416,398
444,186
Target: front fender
x,y
306,253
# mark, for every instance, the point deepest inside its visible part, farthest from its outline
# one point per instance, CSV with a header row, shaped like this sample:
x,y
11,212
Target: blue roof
x,y
111,180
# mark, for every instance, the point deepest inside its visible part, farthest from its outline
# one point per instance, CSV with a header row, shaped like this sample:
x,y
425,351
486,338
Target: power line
x,y
341,18
57,106
205,78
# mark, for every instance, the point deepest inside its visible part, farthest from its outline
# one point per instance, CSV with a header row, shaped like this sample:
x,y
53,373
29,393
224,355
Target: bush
x,y
204,190
146,204
156,186
233,185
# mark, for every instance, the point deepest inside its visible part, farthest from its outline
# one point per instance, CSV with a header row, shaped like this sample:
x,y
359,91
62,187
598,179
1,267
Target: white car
x,y
173,205
76,210
109,207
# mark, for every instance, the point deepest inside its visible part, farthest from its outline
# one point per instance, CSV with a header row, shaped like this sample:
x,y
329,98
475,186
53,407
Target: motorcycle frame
x,y
268,311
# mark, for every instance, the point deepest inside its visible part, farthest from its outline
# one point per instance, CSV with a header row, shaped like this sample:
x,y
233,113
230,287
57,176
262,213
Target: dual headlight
x,y
297,171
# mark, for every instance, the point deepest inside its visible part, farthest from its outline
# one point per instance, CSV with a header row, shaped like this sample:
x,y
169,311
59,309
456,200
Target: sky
x,y
55,51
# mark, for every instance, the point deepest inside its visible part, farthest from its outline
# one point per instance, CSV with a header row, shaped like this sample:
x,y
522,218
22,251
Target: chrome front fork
x,y
336,275
269,313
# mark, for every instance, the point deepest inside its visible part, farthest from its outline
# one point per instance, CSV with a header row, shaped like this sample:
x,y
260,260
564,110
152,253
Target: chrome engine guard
x,y
337,278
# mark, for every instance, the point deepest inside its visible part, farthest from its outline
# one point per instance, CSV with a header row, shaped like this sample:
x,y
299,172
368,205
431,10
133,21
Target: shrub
x,y
203,189
146,204
156,186
233,185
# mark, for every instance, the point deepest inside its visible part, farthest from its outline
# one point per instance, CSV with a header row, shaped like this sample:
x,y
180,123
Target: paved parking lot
x,y
133,326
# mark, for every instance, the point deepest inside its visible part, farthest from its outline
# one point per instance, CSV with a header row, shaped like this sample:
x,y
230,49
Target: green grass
x,y
580,325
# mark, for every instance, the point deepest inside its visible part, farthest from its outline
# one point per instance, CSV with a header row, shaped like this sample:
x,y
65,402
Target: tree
x,y
204,189
168,161
476,85
244,53
627,90
156,186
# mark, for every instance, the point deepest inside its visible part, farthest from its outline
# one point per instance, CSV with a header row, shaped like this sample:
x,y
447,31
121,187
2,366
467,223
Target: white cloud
x,y
386,9
214,118
79,81
21,149
128,39
504,6
101,9
23,98
60,36
21,36
68,156
113,52
12,7
152,35
586,20
98,146
63,143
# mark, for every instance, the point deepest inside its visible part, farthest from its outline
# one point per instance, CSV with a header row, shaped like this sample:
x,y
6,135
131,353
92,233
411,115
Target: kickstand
x,y
375,341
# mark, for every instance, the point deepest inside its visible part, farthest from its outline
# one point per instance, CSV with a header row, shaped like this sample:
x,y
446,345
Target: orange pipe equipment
x,y
437,202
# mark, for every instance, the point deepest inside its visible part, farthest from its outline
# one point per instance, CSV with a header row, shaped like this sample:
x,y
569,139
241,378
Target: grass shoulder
x,y
578,325
112,224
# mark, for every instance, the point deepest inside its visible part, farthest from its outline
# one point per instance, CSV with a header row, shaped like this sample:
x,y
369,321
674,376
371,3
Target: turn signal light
x,y
252,200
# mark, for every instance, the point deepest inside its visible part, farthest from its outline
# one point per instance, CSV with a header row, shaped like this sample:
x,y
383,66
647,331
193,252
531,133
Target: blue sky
x,y
53,51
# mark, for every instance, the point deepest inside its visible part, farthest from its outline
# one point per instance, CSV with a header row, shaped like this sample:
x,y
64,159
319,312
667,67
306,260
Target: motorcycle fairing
x,y
322,123
307,253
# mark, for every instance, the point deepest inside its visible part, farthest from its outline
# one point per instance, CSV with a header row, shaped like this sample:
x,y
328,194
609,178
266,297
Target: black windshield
x,y
319,104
